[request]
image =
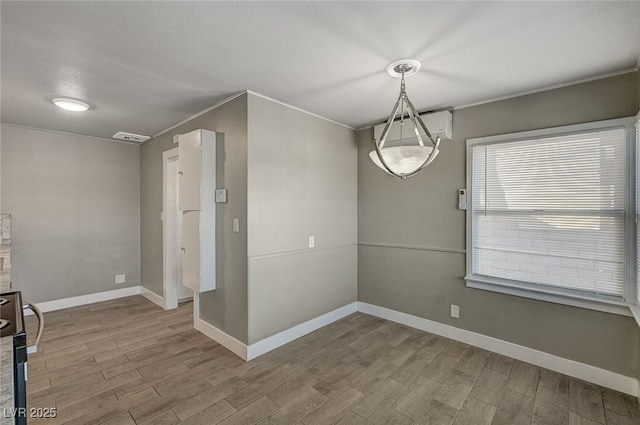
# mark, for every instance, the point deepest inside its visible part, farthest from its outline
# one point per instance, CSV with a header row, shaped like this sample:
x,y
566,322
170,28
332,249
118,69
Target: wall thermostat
x,y
221,195
462,199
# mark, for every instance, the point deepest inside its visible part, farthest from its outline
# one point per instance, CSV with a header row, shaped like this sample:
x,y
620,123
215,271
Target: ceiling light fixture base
x,y
72,105
407,67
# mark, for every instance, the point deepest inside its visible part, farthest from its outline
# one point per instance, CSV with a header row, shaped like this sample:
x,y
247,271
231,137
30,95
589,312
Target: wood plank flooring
x,y
128,362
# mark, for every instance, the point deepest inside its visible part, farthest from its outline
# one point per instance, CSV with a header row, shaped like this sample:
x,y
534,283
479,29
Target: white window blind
x,y
550,211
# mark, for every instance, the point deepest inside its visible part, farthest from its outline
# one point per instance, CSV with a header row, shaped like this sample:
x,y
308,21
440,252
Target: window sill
x,y
553,295
636,313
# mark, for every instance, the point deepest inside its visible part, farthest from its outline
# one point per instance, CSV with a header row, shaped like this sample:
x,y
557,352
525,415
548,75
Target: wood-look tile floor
x,y
129,362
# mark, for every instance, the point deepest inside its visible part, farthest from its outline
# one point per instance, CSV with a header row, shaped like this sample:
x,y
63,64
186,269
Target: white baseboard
x,y
54,305
596,375
572,368
250,352
226,340
153,297
271,343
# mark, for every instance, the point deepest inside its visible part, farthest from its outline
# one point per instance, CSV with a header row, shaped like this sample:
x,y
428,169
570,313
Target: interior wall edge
x,y
272,342
153,297
204,111
232,344
295,108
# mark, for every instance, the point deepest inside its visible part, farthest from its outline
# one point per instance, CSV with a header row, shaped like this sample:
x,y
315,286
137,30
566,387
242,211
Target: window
x,y
548,214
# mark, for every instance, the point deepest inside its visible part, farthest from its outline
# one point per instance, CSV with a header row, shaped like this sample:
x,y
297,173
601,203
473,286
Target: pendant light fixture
x,y
409,154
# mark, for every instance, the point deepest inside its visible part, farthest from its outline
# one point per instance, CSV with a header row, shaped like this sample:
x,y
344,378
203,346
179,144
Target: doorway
x,y
174,291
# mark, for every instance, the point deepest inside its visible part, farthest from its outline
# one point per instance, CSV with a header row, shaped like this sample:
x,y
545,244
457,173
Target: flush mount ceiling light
x,y
70,104
408,155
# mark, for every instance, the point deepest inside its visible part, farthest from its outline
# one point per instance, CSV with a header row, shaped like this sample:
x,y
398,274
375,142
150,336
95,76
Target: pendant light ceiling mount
x,y
406,155
408,67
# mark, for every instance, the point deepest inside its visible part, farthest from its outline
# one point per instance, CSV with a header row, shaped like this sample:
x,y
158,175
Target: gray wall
x,y
302,182
75,206
226,307
638,111
638,91
412,236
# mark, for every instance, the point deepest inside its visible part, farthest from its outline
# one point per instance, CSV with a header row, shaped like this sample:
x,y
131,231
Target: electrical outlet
x,y
312,241
120,278
455,311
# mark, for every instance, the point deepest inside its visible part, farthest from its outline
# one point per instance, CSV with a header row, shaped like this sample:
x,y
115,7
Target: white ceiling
x,y
145,66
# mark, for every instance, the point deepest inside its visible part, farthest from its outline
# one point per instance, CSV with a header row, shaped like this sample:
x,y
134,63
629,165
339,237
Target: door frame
x,y
169,294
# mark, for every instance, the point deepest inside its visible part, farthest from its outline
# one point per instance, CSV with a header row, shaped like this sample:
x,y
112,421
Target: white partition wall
x,y
302,229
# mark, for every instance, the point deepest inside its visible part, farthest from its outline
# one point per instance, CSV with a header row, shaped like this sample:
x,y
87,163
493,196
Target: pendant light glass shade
x,y
408,155
403,159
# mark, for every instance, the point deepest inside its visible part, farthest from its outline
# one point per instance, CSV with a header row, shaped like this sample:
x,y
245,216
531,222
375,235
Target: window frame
x,y
611,304
635,309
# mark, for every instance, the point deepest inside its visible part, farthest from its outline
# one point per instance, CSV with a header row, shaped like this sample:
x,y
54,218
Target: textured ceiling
x,y
145,66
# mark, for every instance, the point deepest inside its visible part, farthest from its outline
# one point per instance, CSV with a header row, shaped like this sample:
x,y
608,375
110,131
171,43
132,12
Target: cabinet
x,y
196,201
190,170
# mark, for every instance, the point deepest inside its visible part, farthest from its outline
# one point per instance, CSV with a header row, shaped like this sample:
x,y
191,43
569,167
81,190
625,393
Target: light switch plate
x,y
455,311
120,278
312,241
221,195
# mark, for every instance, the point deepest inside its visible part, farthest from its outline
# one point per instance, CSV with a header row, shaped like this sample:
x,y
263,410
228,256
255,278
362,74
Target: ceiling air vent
x,y
130,137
